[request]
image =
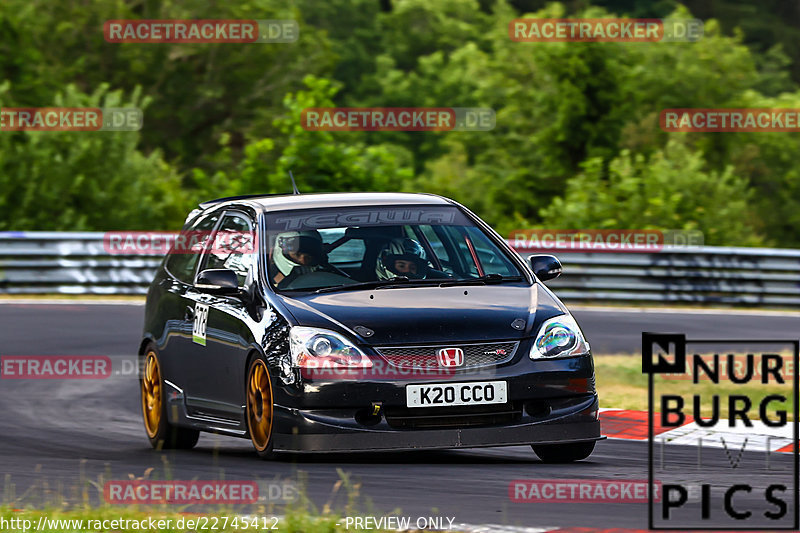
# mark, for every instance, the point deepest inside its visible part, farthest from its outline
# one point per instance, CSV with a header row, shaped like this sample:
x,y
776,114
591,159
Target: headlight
x,y
317,348
559,337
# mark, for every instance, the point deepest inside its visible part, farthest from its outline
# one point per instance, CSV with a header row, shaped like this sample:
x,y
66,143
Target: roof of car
x,y
342,199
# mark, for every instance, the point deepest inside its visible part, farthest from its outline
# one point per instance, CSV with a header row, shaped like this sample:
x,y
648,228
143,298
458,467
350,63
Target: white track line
x,y
758,436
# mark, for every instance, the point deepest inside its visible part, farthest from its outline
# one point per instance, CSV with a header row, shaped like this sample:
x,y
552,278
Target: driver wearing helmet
x,y
405,257
296,253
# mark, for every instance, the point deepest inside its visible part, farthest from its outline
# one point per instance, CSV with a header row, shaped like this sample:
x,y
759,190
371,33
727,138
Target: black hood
x,y
411,315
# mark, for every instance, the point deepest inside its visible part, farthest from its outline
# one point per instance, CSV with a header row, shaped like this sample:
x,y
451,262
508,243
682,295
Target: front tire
x,y
563,453
160,432
260,407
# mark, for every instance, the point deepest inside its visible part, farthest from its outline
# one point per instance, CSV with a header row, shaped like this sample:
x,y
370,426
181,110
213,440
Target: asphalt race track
x,y
66,433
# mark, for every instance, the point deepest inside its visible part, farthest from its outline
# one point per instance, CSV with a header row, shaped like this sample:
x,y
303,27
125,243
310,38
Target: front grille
x,y
475,355
452,417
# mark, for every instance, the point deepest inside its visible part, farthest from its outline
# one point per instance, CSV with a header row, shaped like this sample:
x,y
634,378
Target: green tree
x,y
85,180
669,190
198,91
321,161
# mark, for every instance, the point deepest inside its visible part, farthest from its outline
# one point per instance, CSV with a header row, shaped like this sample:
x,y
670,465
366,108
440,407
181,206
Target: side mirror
x,y
545,266
217,281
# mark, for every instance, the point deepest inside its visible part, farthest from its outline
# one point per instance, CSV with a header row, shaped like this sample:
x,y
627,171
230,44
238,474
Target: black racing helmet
x,y
306,242
402,249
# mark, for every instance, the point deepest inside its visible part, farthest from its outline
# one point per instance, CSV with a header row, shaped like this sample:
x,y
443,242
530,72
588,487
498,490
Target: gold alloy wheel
x,y
259,405
151,394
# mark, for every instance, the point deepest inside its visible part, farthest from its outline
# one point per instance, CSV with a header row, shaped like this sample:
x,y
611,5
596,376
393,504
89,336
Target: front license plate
x,y
441,394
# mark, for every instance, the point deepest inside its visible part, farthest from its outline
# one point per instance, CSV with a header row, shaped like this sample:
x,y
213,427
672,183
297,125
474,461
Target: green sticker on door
x,y
200,320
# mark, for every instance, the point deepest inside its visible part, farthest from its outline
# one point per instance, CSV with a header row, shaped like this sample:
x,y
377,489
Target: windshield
x,y
317,249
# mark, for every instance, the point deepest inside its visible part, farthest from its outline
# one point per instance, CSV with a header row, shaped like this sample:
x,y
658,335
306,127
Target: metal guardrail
x,y
43,262
708,274
78,263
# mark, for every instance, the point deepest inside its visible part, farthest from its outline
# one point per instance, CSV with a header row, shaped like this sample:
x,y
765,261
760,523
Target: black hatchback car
x,y
361,321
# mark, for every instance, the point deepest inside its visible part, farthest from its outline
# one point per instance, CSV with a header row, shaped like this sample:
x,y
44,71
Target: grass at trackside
x,y
621,385
75,503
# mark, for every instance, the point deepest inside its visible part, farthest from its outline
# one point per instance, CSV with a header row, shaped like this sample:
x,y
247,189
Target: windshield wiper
x,y
482,280
398,280
403,281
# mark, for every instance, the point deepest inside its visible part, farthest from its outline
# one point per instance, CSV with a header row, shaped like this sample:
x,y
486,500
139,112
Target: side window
x,y
472,268
182,258
234,246
492,261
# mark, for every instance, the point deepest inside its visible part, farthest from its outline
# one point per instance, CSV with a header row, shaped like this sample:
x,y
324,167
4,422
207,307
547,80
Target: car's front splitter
x,y
318,432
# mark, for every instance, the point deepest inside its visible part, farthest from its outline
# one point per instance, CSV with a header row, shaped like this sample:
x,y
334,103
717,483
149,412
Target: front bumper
x,y
567,420
549,402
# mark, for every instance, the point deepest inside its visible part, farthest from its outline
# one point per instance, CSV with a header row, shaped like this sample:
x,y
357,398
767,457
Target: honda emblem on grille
x,y
451,357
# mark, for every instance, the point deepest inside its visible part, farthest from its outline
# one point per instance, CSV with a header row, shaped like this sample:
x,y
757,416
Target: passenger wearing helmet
x,y
405,257
296,253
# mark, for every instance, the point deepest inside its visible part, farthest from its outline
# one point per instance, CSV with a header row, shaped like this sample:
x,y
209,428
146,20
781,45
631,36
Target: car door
x,y
178,300
220,338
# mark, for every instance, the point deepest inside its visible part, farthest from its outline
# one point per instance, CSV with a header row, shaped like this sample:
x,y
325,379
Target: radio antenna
x,y
294,185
